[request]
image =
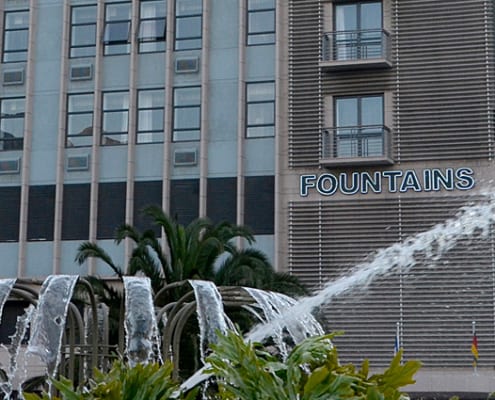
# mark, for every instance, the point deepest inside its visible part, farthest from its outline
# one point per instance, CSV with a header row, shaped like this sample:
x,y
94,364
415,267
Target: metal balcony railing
x,y
356,45
356,142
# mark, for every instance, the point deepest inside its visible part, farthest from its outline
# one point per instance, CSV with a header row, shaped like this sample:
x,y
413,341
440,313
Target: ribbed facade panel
x,y
304,104
434,302
444,61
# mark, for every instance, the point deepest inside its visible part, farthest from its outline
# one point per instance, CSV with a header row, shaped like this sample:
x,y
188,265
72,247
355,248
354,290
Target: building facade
x,y
333,129
390,132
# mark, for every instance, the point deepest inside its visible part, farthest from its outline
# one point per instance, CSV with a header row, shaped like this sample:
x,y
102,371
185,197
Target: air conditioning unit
x,y
10,166
13,77
81,72
185,157
78,163
186,65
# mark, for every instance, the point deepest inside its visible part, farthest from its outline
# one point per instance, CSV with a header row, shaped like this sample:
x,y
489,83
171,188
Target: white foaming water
x,y
471,220
49,320
211,315
142,341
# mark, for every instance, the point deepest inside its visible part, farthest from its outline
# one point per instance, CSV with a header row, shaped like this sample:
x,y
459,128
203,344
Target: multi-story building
x,y
332,128
390,131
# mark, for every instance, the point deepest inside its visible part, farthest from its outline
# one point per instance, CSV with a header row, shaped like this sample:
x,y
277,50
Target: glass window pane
x,y
16,20
260,131
189,27
83,35
188,44
16,40
265,38
261,21
12,107
150,137
187,118
187,96
346,17
261,114
150,120
260,4
115,121
118,12
80,124
260,91
113,140
80,102
149,47
153,29
12,127
183,136
371,16
153,9
117,32
188,7
372,110
84,15
151,98
346,112
115,101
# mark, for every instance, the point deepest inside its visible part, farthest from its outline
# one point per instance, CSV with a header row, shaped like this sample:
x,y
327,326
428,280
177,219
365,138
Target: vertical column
x,y
167,125
93,204
62,109
131,144
203,144
28,131
241,117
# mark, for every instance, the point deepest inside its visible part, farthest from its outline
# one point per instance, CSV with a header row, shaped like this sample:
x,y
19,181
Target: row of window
x,y
260,116
151,34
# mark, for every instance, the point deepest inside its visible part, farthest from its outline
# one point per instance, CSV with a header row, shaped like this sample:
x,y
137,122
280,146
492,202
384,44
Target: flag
x,y
397,339
474,347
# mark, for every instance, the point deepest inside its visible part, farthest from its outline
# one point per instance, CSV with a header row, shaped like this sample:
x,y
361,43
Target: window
x,y
117,28
79,120
359,129
15,36
150,115
188,25
187,113
261,22
83,31
358,29
152,26
115,118
260,110
11,123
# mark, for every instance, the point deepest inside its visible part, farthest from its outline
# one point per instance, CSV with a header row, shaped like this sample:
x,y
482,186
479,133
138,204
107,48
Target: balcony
x,y
356,145
356,49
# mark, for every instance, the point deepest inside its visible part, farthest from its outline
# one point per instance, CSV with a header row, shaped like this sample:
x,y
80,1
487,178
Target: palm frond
x,y
92,250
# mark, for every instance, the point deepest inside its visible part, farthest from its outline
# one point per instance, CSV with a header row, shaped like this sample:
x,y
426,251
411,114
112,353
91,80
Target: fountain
x,y
59,330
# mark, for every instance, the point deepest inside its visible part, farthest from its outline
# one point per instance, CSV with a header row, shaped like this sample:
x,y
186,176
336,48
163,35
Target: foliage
x,y
311,372
141,382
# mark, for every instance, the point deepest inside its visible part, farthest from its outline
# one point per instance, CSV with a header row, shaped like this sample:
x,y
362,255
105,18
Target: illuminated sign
x,y
429,180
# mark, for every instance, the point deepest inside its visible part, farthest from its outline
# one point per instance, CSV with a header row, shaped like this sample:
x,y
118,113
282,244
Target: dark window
x,y
15,36
184,200
11,123
83,31
79,120
222,199
41,212
359,130
10,312
261,22
187,113
116,37
259,205
260,109
115,118
152,25
10,200
111,208
151,105
75,212
145,194
358,30
188,24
